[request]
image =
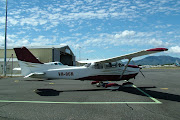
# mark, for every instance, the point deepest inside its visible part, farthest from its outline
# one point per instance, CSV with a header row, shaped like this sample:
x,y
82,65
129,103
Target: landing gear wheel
x,y
99,84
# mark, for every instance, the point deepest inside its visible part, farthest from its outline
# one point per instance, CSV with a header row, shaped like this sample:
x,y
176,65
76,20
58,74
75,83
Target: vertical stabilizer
x,y
28,62
23,54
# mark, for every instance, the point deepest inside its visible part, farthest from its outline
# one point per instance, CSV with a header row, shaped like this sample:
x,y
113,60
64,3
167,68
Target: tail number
x,y
66,73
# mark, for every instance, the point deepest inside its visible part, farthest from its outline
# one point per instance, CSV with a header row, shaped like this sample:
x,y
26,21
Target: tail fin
x,y
23,54
29,64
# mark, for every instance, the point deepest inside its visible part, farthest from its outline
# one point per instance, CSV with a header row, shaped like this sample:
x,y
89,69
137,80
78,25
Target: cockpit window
x,y
111,65
87,65
60,63
98,66
57,63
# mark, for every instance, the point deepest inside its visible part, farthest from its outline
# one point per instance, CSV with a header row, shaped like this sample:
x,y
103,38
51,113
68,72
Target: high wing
x,y
128,56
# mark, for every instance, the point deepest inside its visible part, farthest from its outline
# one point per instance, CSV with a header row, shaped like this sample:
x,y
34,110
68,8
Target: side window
x,y
111,65
107,65
98,66
114,64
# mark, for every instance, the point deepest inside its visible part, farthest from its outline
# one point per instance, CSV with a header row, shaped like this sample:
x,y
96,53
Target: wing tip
x,y
158,49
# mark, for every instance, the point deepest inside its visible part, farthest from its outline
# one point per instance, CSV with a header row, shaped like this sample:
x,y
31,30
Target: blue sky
x,y
96,28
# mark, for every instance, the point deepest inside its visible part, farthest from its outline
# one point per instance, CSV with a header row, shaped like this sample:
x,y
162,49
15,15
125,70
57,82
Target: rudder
x,y
27,61
23,54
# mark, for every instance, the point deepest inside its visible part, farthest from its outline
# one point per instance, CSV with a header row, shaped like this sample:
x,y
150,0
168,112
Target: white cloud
x,y
155,42
41,39
70,11
89,51
125,33
130,38
29,21
12,21
2,20
158,43
174,49
42,21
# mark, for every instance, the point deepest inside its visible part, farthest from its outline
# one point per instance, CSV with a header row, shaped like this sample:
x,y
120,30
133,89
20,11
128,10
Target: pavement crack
x,y
159,113
129,106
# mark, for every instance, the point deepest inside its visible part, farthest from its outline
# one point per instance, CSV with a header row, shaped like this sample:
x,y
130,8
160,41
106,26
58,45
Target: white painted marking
x,y
155,100
51,102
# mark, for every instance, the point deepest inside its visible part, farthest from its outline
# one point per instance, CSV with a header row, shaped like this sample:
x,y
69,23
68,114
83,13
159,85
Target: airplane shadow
x,y
37,80
155,94
52,92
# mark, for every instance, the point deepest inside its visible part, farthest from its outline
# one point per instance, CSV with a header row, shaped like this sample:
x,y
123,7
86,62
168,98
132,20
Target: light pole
x,y
4,72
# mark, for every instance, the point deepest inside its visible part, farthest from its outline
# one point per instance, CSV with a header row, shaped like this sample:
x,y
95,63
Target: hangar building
x,y
61,53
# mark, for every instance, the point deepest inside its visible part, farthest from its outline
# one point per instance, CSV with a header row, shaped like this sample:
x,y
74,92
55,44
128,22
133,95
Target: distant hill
x,y
156,60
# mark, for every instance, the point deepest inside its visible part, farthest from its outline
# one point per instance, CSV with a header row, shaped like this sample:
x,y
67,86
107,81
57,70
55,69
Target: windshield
x,y
87,65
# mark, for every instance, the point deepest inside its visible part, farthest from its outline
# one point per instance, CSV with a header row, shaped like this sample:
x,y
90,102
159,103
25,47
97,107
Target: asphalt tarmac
x,y
155,97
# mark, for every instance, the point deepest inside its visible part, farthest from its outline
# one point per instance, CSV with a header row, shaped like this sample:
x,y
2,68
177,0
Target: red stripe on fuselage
x,y
109,77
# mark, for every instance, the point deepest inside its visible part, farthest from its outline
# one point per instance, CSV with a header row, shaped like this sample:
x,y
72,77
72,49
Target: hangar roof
x,y
35,47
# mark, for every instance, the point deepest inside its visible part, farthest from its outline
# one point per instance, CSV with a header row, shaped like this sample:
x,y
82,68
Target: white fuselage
x,y
79,73
83,73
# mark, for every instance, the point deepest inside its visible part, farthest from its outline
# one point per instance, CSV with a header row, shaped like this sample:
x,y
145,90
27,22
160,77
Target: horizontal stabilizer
x,y
34,74
19,69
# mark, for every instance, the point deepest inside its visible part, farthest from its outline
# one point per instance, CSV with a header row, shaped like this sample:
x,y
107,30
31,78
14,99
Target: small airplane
x,y
177,64
98,71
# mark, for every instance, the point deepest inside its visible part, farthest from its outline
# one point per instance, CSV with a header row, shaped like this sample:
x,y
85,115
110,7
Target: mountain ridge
x,y
156,60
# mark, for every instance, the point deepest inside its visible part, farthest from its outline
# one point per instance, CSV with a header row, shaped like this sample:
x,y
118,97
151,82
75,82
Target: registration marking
x,y
53,102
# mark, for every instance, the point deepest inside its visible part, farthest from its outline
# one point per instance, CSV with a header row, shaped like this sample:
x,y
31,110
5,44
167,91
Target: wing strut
x,y
125,68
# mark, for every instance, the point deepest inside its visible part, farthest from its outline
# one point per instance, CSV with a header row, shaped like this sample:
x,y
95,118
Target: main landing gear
x,y
109,85
99,83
